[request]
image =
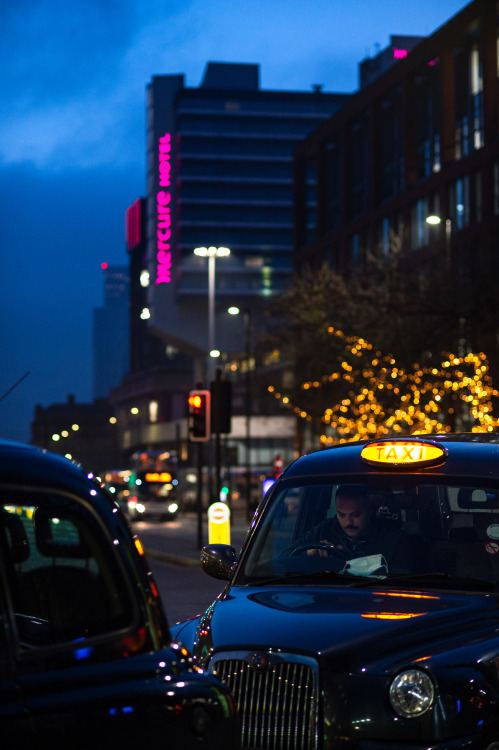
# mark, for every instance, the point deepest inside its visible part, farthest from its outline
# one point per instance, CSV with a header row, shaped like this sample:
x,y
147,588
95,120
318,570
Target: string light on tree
x,y
388,400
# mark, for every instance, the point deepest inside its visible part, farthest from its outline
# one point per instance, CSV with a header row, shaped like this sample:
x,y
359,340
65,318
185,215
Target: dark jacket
x,y
400,552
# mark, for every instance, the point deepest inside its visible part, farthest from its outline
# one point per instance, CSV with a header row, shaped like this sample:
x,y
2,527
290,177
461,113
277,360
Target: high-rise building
x,y
111,332
220,174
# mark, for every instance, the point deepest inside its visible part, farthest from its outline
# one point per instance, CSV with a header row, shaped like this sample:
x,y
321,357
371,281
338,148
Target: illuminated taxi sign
x,y
403,454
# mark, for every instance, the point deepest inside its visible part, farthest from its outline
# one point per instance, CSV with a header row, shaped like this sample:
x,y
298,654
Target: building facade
x,y
86,433
420,140
219,174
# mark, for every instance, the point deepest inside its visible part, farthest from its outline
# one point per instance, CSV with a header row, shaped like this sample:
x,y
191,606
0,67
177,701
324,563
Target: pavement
x,y
177,542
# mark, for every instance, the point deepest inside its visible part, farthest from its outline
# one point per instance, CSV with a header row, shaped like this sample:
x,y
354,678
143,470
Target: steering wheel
x,y
305,546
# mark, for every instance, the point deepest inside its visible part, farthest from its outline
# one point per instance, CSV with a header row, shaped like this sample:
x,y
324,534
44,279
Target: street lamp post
x,y
211,253
247,409
247,396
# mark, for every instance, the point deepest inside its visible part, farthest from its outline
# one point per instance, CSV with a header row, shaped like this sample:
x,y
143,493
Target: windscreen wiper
x,y
289,576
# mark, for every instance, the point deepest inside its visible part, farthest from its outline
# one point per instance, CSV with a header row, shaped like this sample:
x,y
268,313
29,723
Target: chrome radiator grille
x,y
277,698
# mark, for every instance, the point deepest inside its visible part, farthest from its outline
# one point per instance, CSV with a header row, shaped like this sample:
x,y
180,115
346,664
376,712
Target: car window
x,y
4,629
63,576
447,529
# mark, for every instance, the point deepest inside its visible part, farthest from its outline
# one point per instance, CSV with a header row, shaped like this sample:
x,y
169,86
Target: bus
x,y
148,487
153,485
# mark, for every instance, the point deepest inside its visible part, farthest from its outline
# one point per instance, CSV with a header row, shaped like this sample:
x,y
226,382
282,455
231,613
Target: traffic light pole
x,y
218,467
247,408
199,430
199,496
221,402
218,456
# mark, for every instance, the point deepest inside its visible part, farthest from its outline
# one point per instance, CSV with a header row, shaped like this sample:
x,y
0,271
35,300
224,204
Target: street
x,y
185,591
173,555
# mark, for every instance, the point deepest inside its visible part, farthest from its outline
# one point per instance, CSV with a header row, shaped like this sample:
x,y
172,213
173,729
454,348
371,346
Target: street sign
x,y
218,524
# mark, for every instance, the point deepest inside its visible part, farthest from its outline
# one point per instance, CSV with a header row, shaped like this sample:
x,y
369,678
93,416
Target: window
x,y
476,96
478,197
355,251
64,578
419,225
390,157
311,212
459,202
333,180
496,187
446,529
469,99
427,118
359,195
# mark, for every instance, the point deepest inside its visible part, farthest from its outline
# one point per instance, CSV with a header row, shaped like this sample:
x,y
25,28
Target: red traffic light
x,y
195,400
199,415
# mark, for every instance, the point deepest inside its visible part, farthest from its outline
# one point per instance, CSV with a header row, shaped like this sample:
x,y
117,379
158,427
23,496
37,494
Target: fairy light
x,y
390,400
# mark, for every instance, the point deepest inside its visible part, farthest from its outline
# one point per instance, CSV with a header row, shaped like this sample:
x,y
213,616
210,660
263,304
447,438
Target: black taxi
x,y
362,612
86,657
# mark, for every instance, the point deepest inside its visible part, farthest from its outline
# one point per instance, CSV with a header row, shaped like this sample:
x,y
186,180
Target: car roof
x,y
468,455
23,463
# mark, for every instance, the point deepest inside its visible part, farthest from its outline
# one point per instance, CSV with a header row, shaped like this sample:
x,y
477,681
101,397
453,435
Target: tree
x,y
409,314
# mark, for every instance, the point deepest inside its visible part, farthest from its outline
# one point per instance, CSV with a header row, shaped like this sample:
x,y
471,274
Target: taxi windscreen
x,y
446,532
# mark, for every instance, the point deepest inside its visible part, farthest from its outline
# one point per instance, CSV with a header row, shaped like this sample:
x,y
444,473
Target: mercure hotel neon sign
x,y
163,212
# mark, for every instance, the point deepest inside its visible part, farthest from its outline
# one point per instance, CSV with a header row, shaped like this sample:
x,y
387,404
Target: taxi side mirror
x,y
219,560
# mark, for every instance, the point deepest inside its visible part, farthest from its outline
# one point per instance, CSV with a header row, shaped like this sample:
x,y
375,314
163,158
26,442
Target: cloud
x,y
83,133
74,74
63,92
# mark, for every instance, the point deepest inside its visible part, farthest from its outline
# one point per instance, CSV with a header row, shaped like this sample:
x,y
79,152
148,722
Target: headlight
x,y
173,508
411,693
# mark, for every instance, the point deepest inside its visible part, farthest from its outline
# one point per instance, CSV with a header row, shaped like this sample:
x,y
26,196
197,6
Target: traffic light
x,y
199,415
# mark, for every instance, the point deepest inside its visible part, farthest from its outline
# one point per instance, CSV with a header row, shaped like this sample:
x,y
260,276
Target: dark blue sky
x,y
72,143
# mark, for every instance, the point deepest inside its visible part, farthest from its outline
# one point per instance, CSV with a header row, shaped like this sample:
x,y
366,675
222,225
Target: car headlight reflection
x,y
411,693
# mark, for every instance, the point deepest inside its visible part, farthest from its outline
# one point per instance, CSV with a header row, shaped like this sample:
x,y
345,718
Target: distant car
x,y
151,508
86,657
362,612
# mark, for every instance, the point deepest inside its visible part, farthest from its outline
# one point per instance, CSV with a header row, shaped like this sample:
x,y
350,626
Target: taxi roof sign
x,y
403,454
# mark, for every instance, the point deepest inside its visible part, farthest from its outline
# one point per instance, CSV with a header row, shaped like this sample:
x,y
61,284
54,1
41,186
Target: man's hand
x,y
323,552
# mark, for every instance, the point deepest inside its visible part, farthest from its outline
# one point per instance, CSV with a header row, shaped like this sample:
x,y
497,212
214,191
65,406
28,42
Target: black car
x,y
362,612
86,657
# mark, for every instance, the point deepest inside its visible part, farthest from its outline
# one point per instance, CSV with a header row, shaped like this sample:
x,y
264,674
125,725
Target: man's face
x,y
353,514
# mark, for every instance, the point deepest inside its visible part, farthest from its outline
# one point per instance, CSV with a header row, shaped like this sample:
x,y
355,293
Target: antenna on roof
x,y
15,385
